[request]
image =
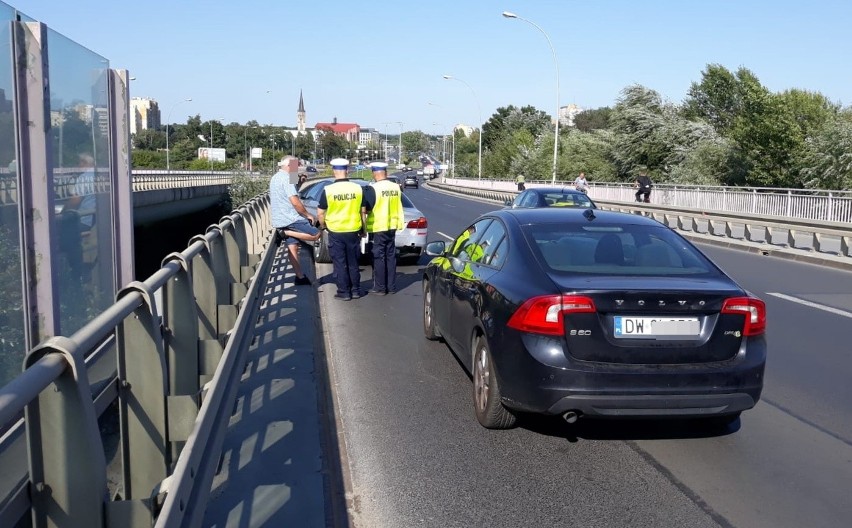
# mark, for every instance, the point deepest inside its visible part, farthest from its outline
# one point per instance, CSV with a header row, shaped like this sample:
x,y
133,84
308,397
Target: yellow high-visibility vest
x,y
387,213
344,207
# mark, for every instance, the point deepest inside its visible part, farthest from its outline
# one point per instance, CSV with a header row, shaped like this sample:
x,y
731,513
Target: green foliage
x,y
717,98
594,119
149,140
827,157
589,152
507,120
513,154
414,141
334,146
200,164
147,159
12,345
245,186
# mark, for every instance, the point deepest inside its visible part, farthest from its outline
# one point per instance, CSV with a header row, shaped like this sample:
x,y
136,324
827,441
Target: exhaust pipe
x,y
570,416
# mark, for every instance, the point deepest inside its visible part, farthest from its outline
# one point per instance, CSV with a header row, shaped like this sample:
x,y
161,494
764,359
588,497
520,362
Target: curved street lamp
x,y
508,14
450,77
168,120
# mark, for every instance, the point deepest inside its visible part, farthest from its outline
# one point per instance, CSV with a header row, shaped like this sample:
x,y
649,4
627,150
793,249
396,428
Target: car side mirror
x,y
437,248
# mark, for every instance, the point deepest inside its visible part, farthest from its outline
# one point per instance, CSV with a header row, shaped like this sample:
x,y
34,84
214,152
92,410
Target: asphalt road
x,y
417,456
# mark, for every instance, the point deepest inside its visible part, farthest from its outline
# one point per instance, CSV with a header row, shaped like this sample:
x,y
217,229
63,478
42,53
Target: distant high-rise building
x,y
568,113
300,114
144,114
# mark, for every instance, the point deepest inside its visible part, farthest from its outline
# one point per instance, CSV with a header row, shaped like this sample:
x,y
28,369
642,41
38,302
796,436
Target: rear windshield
x,y
622,250
557,199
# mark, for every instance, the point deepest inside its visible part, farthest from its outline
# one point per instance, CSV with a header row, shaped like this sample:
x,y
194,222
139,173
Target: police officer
x,y
340,210
383,206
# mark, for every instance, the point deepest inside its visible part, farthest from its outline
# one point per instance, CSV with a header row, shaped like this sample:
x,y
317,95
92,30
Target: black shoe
x,y
379,292
357,294
342,297
302,281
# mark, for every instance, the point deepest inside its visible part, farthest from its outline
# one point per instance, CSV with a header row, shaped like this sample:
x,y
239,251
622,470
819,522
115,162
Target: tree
x,y
765,136
655,135
718,97
147,159
594,119
590,152
827,158
334,145
305,147
506,120
414,141
149,139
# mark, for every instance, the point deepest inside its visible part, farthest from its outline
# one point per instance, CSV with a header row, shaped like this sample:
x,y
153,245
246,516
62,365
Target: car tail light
x,y
754,311
545,314
420,223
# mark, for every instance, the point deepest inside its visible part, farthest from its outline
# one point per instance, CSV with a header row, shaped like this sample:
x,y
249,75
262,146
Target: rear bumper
x,y
653,405
529,383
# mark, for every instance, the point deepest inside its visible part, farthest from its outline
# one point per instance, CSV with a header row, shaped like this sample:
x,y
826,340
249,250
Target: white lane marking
x,y
448,237
835,311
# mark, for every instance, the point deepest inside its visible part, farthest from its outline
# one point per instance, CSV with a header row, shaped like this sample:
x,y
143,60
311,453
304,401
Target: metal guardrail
x,y
820,242
177,338
813,204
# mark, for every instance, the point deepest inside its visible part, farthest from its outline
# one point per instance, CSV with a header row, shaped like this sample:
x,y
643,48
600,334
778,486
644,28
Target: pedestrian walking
x,y
291,219
383,207
520,181
341,212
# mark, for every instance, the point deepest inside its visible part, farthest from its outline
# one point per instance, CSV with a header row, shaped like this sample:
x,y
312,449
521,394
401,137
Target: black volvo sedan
x,y
593,313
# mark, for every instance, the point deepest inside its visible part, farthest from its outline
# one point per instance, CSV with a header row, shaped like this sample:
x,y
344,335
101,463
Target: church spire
x,y
301,124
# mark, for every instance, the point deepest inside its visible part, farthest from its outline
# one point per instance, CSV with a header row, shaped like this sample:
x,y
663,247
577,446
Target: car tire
x,y
487,404
321,253
429,329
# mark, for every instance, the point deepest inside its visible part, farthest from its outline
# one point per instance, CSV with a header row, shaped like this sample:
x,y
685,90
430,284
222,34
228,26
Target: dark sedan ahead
x,y
551,197
593,313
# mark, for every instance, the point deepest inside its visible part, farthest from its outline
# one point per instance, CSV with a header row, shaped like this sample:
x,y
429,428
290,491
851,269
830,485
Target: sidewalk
x,y
278,466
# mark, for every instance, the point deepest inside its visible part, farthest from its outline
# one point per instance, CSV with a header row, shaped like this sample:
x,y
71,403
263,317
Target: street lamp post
x,y
508,14
168,120
450,77
400,141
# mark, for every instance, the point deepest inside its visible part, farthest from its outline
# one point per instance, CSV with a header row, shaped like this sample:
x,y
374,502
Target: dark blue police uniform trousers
x,y
384,261
344,249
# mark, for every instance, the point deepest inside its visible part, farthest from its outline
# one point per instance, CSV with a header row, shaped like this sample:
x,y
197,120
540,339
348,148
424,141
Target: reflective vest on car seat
x,y
387,213
344,207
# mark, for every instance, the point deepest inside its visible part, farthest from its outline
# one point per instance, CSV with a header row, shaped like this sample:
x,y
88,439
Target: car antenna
x,y
589,214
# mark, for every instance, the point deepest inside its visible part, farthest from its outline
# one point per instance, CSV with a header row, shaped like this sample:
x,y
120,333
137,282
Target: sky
x,y
378,63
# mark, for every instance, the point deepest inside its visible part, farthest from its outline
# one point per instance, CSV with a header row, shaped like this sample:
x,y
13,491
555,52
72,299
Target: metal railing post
x,y
142,393
66,459
180,331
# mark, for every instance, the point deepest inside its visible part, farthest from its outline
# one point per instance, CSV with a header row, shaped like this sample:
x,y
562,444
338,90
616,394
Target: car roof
x,y
548,215
563,190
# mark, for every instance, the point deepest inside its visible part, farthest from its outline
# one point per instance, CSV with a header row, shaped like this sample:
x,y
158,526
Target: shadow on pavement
x,y
280,462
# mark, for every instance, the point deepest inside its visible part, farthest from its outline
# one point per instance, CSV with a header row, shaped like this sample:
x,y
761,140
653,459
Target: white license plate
x,y
656,326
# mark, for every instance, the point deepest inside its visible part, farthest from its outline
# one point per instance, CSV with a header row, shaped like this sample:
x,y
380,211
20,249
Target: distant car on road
x,y
411,181
581,312
551,197
310,168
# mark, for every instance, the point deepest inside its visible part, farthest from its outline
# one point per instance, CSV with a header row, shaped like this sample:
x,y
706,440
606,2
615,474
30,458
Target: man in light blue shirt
x,y
291,219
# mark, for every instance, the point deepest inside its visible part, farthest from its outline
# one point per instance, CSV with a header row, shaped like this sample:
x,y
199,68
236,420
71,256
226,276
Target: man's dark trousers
x,y
384,261
344,249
